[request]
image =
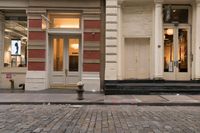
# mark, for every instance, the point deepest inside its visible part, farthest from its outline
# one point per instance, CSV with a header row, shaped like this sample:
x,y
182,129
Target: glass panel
x,y
183,55
58,54
64,21
180,15
175,14
15,42
168,50
73,54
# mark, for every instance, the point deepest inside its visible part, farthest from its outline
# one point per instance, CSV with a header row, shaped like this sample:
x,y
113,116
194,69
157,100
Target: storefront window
x,y
64,21
58,46
168,50
15,42
73,54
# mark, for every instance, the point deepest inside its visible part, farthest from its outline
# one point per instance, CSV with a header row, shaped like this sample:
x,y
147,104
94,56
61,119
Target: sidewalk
x,y
97,98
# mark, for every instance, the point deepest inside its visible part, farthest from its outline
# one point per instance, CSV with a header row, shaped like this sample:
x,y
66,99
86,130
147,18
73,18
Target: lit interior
x,y
73,46
66,22
168,50
58,45
182,56
15,30
73,54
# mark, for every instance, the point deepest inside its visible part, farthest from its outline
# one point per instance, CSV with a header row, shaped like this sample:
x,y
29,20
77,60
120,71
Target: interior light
x,y
170,32
69,26
74,46
7,30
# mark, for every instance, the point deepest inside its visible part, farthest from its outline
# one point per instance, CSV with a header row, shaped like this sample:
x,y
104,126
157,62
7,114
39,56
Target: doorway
x,y
65,51
137,58
176,53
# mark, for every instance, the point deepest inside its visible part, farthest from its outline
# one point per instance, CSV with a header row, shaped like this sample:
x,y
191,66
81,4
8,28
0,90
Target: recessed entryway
x,y
65,63
176,53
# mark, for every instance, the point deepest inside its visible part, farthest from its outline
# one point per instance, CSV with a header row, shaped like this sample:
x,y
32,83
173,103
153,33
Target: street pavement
x,y
98,119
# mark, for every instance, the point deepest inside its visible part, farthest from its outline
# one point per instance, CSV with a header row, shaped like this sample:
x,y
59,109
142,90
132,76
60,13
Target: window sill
x,y
17,70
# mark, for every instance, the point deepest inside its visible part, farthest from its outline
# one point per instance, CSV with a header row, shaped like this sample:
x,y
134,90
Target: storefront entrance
x,y
65,60
177,52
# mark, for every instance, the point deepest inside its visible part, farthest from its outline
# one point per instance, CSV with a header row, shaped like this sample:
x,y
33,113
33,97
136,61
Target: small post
x,y
22,86
12,84
80,90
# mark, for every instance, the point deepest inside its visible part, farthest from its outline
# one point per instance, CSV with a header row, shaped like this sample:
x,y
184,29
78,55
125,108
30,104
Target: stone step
x,y
149,88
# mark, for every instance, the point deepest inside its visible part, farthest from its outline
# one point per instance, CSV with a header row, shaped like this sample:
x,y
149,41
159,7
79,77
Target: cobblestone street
x,y
98,118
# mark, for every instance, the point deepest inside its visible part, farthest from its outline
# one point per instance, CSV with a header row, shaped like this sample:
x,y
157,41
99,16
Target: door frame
x,y
179,75
78,74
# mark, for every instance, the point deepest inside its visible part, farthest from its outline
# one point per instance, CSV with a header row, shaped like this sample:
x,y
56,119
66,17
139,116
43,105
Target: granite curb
x,y
108,103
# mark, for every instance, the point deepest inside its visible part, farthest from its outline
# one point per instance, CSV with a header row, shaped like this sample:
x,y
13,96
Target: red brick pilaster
x,y
91,53
36,43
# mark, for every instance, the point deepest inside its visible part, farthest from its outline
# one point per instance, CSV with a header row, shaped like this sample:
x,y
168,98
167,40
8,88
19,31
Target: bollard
x,y
22,86
80,90
12,84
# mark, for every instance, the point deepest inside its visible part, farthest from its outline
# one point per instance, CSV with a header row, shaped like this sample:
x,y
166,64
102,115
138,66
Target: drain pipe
x,y
12,84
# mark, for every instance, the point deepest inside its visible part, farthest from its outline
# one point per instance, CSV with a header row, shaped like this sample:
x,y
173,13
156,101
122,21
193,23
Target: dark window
x,y
175,15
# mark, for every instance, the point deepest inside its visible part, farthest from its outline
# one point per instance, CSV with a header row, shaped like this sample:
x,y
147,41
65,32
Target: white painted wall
x,y
137,21
35,80
17,74
111,59
91,81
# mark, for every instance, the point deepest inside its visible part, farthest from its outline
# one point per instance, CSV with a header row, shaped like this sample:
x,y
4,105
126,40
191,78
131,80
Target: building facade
x,y
51,44
54,44
152,40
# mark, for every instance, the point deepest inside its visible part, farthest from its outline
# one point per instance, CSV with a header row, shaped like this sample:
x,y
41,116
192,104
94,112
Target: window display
x,y
15,42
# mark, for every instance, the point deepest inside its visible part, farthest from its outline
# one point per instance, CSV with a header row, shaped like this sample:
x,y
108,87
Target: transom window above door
x,y
176,14
69,21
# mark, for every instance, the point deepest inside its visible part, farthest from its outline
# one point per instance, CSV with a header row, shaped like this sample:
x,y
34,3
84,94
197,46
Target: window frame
x,y
51,17
188,7
10,39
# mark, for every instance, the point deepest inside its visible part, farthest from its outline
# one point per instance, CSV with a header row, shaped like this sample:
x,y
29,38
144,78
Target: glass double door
x,y
176,53
64,60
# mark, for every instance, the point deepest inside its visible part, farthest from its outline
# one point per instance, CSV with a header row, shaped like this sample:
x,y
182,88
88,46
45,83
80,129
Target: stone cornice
x,y
158,1
35,11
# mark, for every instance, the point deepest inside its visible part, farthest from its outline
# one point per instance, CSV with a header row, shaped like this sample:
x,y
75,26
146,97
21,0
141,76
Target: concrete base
x,y
35,80
91,81
17,74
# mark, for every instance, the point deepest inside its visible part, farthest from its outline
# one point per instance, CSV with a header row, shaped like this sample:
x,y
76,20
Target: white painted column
x,y
111,58
1,44
158,40
120,43
1,39
197,42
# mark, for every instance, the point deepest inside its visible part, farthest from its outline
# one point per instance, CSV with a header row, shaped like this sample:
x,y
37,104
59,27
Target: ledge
x,y
16,70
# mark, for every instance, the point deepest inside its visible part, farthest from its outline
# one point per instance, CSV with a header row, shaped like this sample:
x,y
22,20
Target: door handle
x,y
66,72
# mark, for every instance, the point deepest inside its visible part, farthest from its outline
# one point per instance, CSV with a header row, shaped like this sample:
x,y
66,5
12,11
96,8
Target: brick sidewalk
x,y
98,119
